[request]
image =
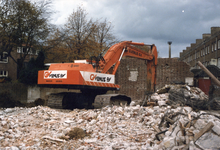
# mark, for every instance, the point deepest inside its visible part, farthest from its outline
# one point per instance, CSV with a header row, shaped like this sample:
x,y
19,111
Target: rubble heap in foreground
x,y
127,127
117,127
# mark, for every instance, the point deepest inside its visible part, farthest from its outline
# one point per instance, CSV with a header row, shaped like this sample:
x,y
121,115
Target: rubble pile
x,y
117,127
181,95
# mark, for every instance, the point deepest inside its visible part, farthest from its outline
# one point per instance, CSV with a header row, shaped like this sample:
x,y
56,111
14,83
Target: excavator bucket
x,y
111,99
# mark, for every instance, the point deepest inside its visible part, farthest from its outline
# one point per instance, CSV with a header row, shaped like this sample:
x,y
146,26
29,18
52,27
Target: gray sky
x,y
149,21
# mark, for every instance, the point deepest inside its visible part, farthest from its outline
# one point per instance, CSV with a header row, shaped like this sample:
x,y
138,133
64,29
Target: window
x,y
24,50
212,48
19,50
218,44
30,52
218,63
215,47
4,57
208,49
3,73
37,52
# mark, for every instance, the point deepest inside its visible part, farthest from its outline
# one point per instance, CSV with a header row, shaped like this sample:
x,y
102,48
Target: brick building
x,y
205,50
8,68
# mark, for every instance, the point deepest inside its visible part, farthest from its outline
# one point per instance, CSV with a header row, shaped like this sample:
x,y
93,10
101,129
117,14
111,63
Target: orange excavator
x,y
95,77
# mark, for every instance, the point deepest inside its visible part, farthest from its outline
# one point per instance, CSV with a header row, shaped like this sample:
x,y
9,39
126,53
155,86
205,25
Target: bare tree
x,y
80,33
104,36
80,38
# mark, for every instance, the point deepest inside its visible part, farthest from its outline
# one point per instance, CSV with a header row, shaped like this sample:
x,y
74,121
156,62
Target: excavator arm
x,y
113,57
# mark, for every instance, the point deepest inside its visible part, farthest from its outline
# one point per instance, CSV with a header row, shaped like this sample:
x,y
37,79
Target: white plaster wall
x,y
33,93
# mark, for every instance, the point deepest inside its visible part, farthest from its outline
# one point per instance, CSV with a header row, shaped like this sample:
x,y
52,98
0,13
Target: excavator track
x,y
70,100
111,99
82,100
55,100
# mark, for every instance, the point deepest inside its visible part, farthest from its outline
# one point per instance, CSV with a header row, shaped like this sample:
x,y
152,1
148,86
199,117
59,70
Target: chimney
x,y
206,36
193,45
214,30
169,42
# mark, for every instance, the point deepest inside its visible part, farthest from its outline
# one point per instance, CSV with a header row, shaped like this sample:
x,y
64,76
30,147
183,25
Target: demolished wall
x,y
170,70
131,76
132,73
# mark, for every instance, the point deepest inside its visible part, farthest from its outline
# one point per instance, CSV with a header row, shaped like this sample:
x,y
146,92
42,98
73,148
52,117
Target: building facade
x,y
8,67
205,50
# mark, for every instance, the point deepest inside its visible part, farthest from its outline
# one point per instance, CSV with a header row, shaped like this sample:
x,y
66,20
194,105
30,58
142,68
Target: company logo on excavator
x,y
135,52
92,76
55,74
47,74
97,77
100,79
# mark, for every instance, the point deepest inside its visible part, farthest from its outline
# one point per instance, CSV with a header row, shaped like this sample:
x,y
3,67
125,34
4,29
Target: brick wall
x,y
170,70
132,72
11,66
131,76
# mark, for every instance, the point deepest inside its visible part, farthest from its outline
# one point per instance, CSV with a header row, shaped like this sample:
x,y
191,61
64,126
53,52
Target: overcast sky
x,y
149,21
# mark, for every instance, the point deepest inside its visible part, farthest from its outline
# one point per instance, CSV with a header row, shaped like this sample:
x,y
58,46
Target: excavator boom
x,y
127,48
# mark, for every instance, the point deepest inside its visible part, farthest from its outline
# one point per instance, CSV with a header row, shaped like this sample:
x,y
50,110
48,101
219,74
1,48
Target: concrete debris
x,y
216,129
209,141
181,95
9,110
112,127
208,127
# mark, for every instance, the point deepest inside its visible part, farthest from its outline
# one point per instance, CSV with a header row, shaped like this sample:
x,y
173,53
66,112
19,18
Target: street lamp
x,y
169,42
